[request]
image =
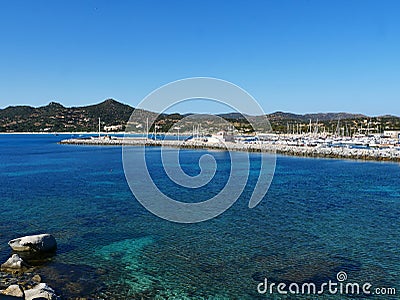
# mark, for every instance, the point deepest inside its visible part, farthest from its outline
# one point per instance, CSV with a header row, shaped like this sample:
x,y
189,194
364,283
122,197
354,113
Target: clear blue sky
x,y
297,56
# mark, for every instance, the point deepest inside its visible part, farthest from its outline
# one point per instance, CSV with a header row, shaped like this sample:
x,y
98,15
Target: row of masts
x,y
295,129
315,129
197,131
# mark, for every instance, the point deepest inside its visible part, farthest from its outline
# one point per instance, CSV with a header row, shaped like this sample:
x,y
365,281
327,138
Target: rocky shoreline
x,y
32,272
21,274
18,276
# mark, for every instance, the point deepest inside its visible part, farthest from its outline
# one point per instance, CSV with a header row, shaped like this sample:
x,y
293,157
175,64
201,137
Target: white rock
x,y
13,263
39,243
41,291
14,290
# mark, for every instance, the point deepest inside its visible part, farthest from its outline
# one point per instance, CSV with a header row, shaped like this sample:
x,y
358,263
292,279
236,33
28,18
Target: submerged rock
x,y
41,291
13,263
13,290
37,243
71,281
37,278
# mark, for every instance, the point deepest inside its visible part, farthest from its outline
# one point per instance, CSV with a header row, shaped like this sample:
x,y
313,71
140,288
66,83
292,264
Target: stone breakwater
x,y
389,154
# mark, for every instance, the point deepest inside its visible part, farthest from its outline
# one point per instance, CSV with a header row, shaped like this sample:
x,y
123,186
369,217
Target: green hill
x,y
54,117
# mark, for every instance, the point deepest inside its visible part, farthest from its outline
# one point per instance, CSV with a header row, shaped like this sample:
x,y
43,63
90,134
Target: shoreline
x,y
385,155
94,133
63,132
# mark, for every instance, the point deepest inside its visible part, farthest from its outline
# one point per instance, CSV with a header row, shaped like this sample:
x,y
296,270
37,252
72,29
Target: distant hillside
x,y
54,117
232,116
290,116
333,116
110,111
316,116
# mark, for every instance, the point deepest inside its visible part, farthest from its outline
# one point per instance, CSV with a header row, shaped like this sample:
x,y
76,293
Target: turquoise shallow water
x,y
320,216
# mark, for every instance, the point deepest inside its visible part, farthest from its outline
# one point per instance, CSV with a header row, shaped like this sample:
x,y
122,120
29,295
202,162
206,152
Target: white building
x,y
113,128
221,136
394,134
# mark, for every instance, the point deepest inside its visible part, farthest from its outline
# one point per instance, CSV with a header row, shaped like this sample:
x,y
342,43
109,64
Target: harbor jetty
x,y
285,145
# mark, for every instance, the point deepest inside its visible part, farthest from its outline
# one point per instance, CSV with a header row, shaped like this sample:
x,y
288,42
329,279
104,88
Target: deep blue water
x,y
320,216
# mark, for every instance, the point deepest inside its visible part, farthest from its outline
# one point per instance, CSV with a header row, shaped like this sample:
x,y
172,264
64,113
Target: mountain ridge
x,y
287,115
57,117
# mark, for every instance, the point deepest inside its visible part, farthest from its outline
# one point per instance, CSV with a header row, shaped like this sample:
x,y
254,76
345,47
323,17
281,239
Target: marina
x,y
380,148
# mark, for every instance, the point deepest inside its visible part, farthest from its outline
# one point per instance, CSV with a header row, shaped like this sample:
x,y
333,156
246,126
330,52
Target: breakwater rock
x,y
386,154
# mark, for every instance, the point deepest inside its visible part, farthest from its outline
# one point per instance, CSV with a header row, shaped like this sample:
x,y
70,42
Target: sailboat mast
x,y
147,128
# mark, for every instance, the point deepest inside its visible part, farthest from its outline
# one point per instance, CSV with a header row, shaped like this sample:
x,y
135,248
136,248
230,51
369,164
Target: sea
x,y
320,218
